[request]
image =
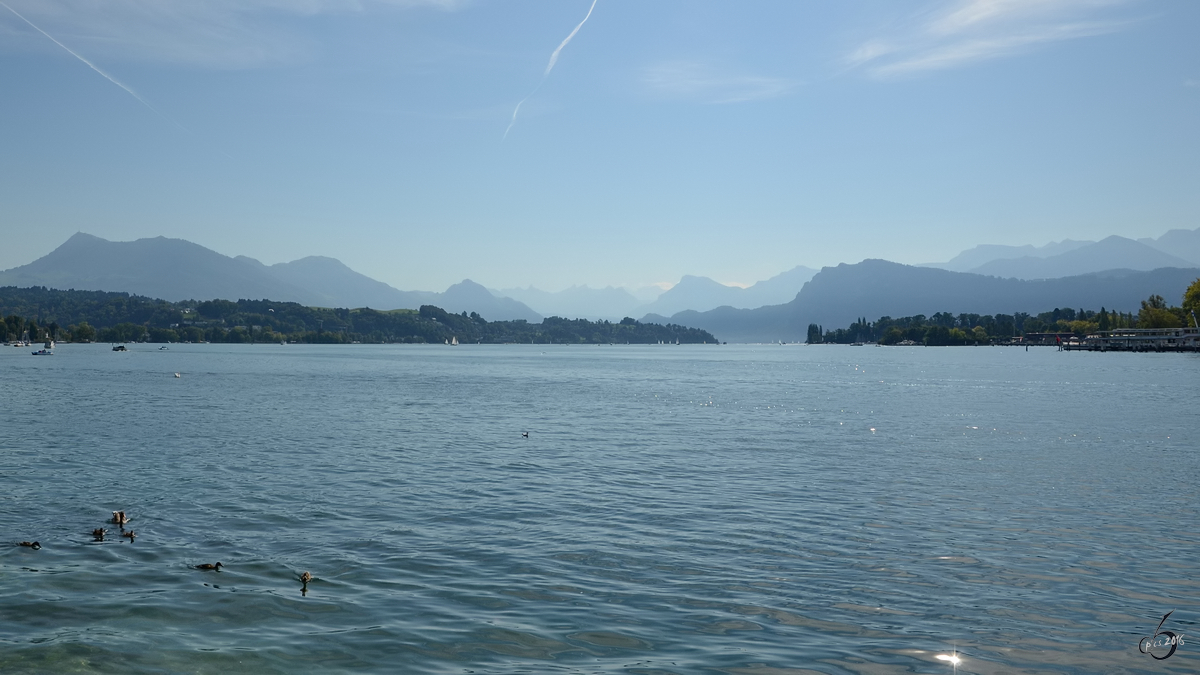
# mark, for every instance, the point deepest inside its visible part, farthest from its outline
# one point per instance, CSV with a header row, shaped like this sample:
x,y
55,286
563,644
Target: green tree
x,y
83,332
1156,314
814,334
163,335
1191,301
937,336
14,326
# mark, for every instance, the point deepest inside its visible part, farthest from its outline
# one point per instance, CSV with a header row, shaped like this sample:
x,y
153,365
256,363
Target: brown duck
x,y
210,566
32,544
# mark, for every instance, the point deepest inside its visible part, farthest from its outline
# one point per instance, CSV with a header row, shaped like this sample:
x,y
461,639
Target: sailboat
x,y
454,341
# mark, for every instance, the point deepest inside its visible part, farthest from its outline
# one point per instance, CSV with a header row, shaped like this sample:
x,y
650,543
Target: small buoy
x,y
177,375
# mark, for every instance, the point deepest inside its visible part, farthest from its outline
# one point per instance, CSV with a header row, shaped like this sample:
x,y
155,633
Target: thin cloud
x,y
205,33
697,81
969,31
549,67
554,56
93,66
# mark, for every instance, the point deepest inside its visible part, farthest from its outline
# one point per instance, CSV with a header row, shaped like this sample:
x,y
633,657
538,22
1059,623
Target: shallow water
x,y
701,509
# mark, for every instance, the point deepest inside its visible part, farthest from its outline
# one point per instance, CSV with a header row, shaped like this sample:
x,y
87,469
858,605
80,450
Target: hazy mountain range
x,y
1111,253
1177,248
702,294
1116,273
692,292
577,302
837,296
175,269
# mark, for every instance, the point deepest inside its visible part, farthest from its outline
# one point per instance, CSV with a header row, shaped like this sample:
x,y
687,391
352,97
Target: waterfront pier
x,y
1137,340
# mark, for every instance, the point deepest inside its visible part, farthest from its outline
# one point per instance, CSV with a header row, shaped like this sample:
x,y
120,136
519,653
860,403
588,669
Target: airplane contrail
x,y
549,67
91,65
514,117
554,56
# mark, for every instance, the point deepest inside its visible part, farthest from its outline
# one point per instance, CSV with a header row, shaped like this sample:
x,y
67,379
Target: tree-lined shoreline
x,y
945,328
40,313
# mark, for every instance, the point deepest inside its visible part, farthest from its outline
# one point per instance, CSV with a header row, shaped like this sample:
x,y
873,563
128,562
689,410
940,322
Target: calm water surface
x,y
747,510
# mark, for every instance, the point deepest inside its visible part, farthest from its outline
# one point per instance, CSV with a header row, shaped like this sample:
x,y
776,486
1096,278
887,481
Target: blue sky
x,y
733,140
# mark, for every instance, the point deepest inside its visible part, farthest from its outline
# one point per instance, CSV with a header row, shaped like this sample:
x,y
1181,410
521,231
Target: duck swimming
x,y
99,533
210,566
120,518
36,545
305,578
131,534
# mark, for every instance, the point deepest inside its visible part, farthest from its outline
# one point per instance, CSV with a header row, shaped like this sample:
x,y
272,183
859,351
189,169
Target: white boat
x,y
454,342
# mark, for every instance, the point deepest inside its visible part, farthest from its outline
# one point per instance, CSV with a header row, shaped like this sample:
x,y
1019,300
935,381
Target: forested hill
x,y
37,313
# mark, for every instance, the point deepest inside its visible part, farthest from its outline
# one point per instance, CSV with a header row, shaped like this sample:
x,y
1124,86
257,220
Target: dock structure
x,y
1137,340
1042,339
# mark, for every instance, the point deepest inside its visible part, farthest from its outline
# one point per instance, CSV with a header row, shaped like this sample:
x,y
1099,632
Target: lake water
x,y
752,510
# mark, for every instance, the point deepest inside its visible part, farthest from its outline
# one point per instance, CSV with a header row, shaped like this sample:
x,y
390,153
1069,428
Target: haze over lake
x,y
452,190
695,509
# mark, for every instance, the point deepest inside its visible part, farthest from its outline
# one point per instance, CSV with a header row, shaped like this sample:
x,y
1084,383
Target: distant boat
x,y
120,348
163,349
46,350
454,342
